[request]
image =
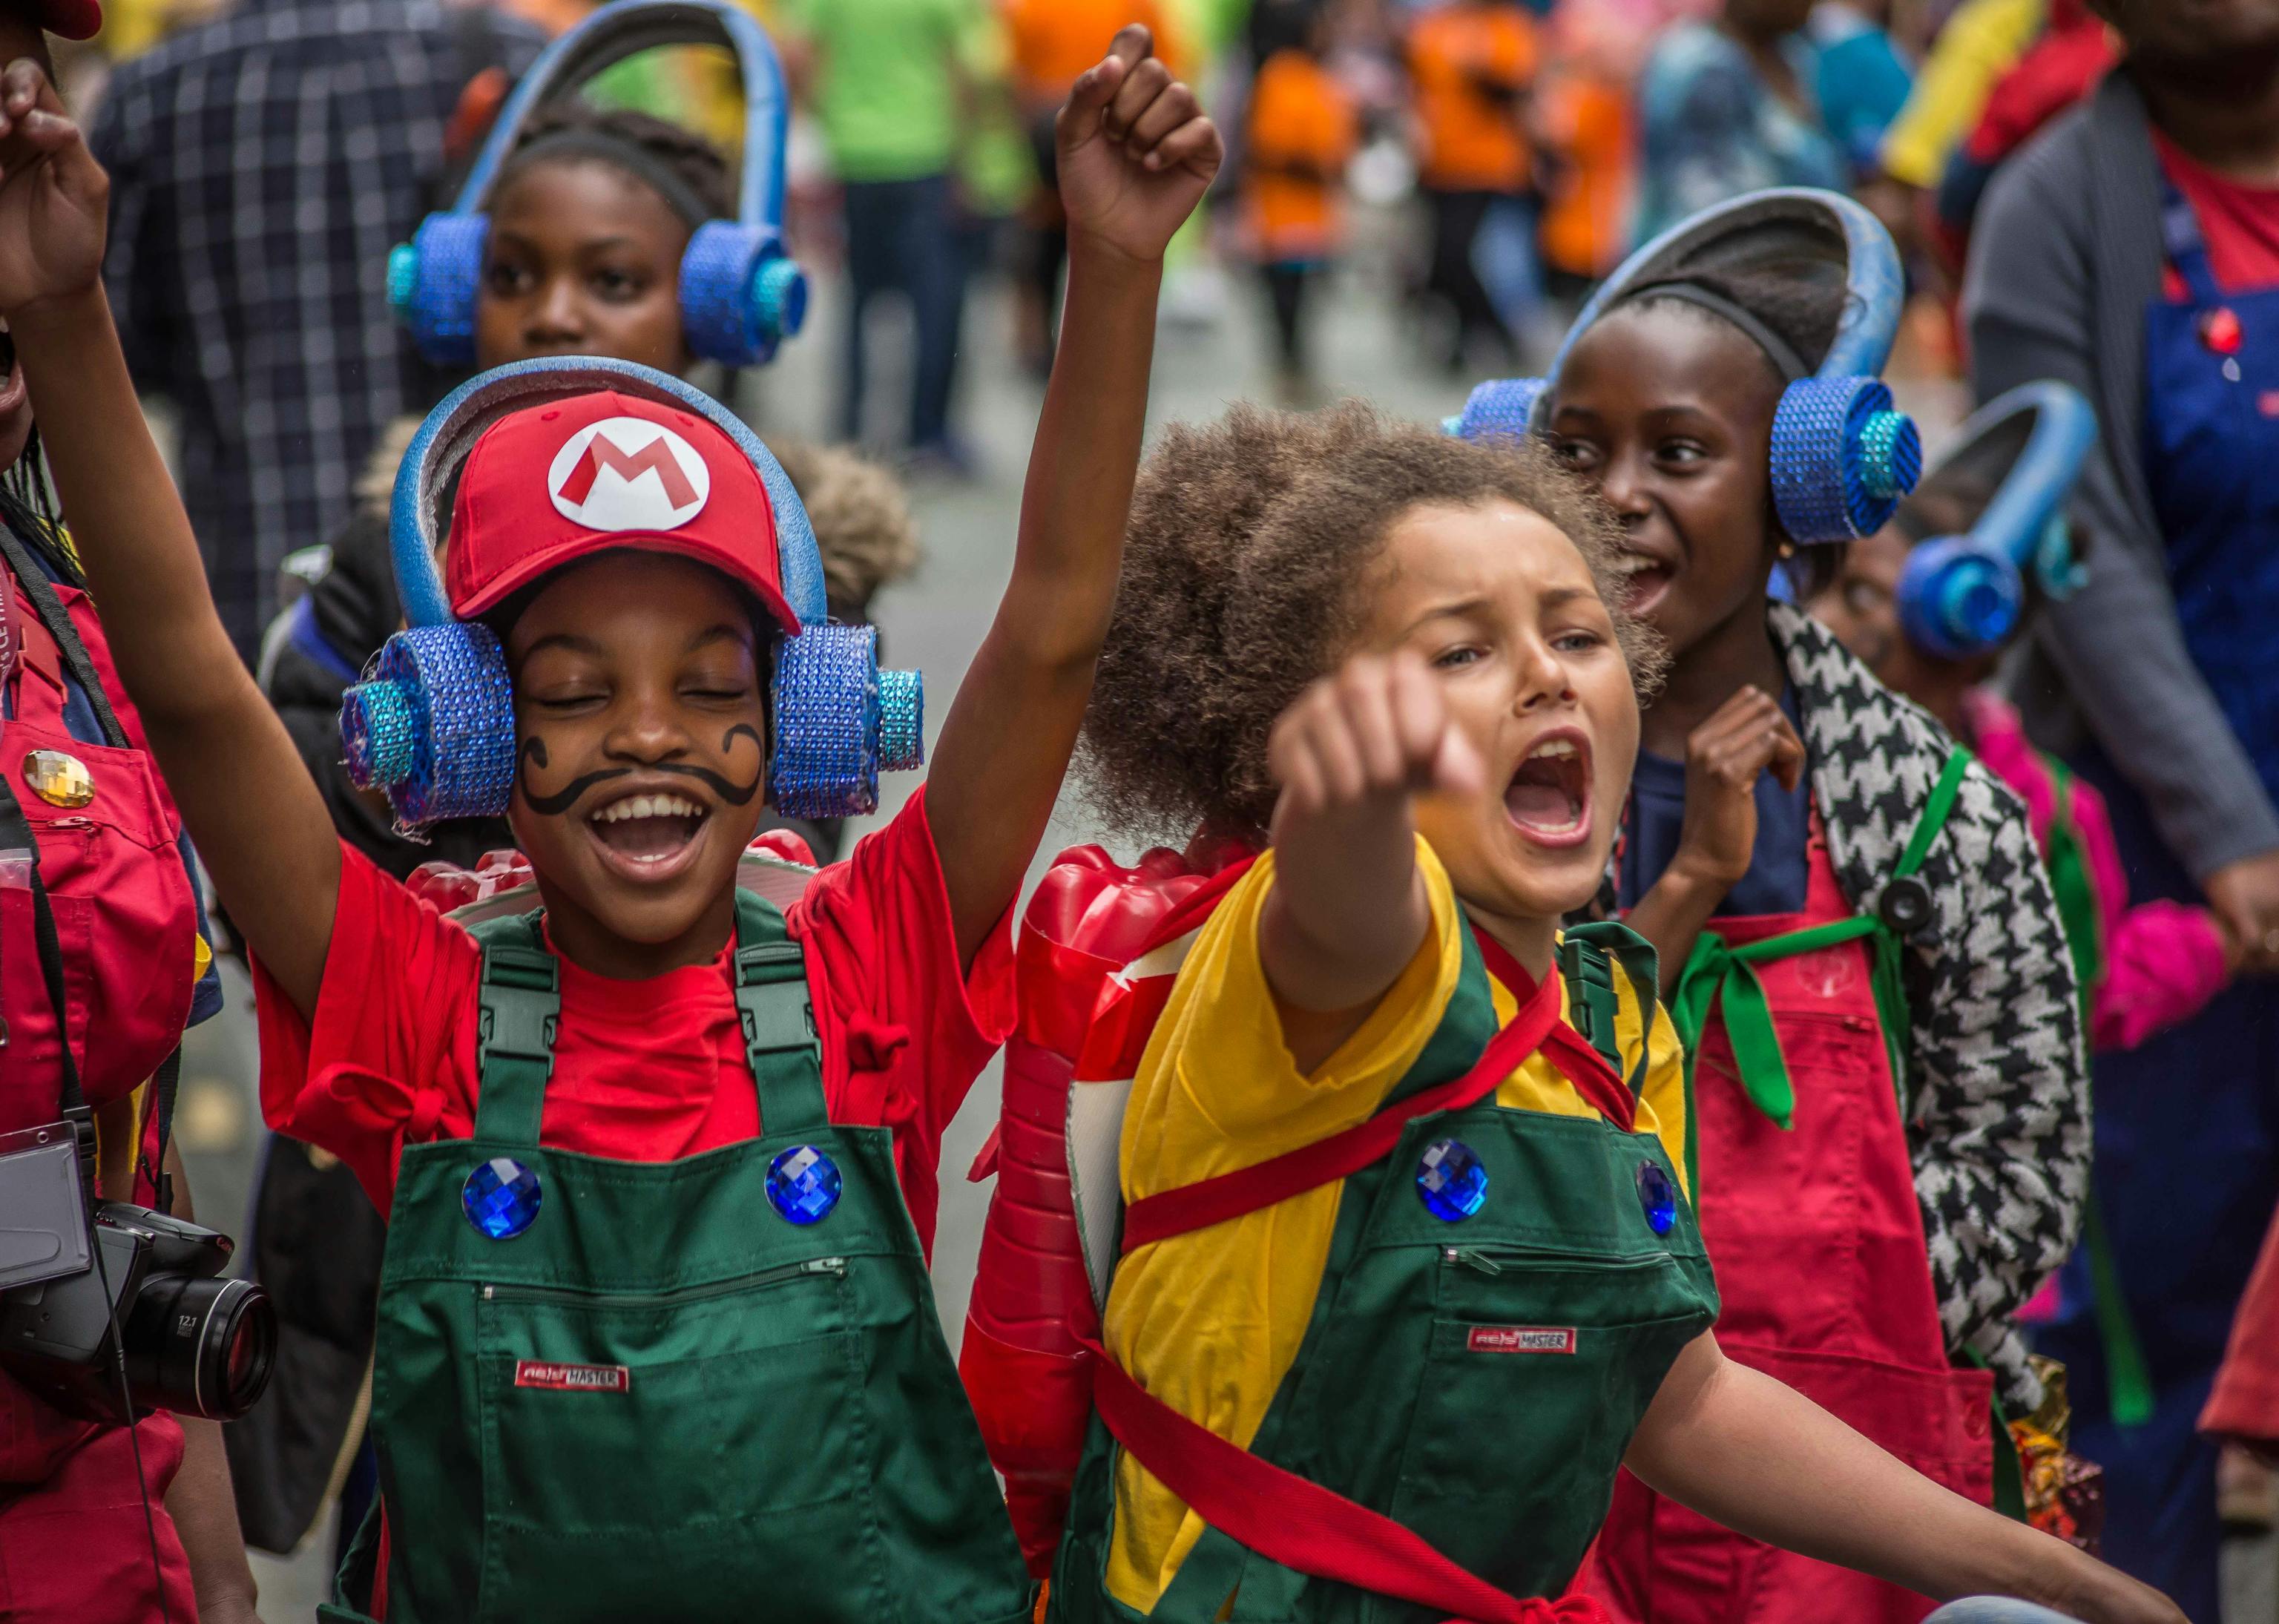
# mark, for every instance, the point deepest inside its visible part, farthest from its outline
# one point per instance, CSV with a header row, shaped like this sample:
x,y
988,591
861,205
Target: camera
x,y
82,1291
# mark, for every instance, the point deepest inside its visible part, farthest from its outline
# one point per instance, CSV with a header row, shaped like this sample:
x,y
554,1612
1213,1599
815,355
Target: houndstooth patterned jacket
x,y
1998,1082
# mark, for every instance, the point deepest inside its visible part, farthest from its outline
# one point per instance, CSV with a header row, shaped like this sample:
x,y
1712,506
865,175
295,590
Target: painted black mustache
x,y
534,754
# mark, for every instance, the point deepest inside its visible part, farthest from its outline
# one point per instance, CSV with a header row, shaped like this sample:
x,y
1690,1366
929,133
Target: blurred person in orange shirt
x,y
1584,124
1473,66
1053,42
1300,133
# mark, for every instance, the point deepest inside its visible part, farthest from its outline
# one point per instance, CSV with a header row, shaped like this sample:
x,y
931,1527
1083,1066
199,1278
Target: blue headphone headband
x,y
433,724
1842,457
1963,595
739,296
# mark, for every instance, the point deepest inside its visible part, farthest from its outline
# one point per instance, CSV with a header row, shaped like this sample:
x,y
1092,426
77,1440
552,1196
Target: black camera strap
x,y
41,595
16,832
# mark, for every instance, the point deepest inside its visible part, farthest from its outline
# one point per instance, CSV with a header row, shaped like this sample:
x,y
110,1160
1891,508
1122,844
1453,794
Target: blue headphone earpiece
x,y
432,722
739,295
1962,595
1842,457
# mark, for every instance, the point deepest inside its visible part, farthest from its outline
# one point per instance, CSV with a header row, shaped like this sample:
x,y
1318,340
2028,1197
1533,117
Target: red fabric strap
x,y
1245,1190
1298,1523
1567,1049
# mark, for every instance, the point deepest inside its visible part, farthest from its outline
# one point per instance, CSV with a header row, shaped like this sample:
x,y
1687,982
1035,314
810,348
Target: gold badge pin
x,y
58,779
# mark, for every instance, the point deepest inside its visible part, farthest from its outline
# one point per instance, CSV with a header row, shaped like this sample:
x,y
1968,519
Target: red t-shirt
x,y
2239,223
645,1070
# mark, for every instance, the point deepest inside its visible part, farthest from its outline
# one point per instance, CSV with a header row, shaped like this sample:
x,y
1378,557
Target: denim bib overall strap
x,y
2212,395
1494,1272
607,1389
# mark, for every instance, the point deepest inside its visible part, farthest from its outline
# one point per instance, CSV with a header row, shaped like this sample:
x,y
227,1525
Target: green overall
x,y
663,1399
1412,1394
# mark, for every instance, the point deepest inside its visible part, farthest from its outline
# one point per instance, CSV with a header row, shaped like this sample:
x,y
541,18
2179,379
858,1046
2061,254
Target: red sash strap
x,y
1536,1026
1298,1523
1566,1048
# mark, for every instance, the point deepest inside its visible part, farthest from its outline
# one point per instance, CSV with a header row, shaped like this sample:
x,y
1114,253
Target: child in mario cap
x,y
660,1341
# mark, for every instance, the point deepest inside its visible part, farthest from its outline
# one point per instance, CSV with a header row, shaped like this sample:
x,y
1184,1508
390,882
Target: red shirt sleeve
x,y
389,1059
915,1026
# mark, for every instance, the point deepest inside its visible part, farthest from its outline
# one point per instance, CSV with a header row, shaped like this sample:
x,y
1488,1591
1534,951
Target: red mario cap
x,y
549,485
74,19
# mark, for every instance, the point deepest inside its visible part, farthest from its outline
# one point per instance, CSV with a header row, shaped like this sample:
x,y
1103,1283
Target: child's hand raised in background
x,y
1746,735
53,194
1136,152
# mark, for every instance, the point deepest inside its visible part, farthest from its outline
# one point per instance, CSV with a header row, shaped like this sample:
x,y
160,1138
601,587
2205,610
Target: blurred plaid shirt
x,y
262,166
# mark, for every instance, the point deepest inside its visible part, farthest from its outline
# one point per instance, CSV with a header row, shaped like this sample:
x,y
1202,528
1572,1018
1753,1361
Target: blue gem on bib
x,y
1659,1196
1450,1181
501,1197
803,1184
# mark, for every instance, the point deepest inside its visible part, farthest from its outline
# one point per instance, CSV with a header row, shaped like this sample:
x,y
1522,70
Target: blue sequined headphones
x,y
1962,595
432,722
1841,457
739,295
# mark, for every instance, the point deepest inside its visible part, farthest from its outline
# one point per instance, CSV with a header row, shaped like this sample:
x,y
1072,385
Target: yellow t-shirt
x,y
1210,1322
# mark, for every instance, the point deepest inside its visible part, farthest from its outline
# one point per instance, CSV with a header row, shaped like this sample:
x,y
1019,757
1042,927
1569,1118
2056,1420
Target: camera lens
x,y
201,1347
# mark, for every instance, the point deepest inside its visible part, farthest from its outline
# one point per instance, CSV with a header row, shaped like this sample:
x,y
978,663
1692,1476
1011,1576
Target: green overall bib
x,y
664,1398
1476,1381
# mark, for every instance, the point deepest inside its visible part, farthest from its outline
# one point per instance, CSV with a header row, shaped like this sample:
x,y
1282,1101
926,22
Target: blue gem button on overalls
x,y
803,1183
1658,1196
501,1197
1450,1181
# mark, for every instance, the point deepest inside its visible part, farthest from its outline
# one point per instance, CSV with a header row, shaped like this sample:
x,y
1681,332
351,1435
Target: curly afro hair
x,y
1252,544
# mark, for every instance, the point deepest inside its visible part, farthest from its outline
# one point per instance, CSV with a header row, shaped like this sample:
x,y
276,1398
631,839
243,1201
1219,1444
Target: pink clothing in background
x,y
2163,961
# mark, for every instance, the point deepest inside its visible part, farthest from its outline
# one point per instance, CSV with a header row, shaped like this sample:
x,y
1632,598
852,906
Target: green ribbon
x,y
1718,975
2129,1385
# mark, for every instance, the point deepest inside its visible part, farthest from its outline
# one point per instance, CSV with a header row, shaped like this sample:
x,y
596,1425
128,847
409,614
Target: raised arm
x,y
256,819
1349,907
1747,735
1135,156
1742,1449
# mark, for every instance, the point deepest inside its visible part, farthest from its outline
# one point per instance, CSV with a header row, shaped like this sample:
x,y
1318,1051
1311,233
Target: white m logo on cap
x,y
628,473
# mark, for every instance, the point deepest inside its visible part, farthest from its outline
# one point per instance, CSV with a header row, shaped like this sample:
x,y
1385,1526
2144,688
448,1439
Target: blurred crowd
x,y
1512,150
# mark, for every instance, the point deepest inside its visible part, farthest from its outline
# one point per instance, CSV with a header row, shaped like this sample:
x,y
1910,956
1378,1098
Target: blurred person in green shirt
x,y
887,81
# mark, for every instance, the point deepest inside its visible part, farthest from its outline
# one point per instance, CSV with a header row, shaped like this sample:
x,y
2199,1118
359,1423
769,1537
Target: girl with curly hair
x,y
1408,1267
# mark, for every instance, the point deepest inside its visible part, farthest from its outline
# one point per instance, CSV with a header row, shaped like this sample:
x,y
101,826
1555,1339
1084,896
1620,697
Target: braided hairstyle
x,y
690,158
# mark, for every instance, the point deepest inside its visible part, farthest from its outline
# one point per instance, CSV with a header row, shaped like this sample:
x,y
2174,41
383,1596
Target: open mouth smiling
x,y
649,835
1645,579
1548,800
